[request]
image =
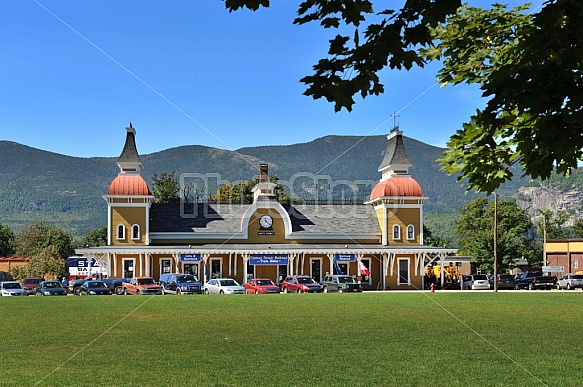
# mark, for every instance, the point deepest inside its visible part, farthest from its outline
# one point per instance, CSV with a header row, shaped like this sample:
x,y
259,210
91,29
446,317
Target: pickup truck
x,y
536,280
115,284
141,285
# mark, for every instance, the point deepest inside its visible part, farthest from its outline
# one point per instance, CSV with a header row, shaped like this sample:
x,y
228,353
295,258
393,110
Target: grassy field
x,y
370,339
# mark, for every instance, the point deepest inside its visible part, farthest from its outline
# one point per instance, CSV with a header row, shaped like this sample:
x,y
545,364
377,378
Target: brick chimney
x,y
264,176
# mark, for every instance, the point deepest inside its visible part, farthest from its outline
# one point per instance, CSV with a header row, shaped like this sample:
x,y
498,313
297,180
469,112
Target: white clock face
x,y
266,221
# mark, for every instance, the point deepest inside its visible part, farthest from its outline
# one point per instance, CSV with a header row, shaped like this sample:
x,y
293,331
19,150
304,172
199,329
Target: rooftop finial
x,y
395,125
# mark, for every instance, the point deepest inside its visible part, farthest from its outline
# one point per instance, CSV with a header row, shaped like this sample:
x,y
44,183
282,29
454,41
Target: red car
x,y
300,284
30,284
260,286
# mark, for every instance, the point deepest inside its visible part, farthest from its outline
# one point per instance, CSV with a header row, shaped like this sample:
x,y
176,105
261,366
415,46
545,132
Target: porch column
x,y
384,273
245,261
141,258
292,258
331,262
148,266
176,257
230,256
205,258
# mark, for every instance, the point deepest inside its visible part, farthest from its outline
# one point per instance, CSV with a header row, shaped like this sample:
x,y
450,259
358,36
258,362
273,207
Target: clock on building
x,y
266,221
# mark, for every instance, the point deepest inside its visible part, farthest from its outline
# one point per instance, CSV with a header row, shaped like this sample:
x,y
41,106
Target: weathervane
x,y
395,126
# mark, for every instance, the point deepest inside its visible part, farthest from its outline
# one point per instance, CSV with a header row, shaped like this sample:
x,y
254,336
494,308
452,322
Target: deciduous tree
x,y
166,187
6,241
552,223
94,238
475,232
527,64
35,238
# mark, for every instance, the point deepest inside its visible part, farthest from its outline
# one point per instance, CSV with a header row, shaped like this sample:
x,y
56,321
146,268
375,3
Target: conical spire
x,y
396,160
129,160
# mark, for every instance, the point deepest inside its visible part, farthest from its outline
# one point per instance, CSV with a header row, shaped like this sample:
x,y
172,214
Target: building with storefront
x,y
380,242
563,256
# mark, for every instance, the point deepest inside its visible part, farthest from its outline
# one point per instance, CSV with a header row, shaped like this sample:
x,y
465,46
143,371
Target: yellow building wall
x,y
564,246
404,217
416,281
382,221
276,234
117,269
128,216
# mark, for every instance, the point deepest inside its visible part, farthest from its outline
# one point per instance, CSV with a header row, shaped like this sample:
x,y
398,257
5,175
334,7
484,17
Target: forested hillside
x,y
39,185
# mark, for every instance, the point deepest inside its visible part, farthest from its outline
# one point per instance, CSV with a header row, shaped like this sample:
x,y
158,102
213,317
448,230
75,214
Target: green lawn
x,y
370,339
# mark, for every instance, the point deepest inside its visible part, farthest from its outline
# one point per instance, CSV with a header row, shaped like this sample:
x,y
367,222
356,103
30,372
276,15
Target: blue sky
x,y
74,73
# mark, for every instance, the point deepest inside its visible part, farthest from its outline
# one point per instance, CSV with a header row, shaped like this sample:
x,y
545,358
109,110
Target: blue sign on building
x,y
189,257
344,257
268,259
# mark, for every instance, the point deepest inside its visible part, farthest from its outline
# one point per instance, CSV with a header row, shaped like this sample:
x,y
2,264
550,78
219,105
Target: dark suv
x,y
341,283
505,281
180,283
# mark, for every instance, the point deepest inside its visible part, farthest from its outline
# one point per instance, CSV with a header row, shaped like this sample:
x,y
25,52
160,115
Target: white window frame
x,y
221,274
399,260
396,232
312,260
410,232
123,261
168,259
575,264
121,227
134,226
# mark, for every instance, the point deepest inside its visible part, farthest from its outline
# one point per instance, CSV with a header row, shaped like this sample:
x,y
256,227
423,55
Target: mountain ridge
x,y
39,185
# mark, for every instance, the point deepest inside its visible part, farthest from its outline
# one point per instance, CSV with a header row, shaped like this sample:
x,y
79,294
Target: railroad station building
x,y
380,242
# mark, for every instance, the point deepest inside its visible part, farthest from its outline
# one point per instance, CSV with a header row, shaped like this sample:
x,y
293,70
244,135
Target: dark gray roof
x,y
129,154
314,218
396,153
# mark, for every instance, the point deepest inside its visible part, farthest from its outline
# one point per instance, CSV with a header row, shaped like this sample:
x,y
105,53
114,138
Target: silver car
x,y
12,288
475,282
223,286
570,282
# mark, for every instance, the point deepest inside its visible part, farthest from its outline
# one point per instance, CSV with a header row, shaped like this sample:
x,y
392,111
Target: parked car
x,y
261,286
31,283
223,286
535,280
50,288
505,281
115,284
12,288
570,282
141,285
177,283
300,284
94,288
340,283
475,282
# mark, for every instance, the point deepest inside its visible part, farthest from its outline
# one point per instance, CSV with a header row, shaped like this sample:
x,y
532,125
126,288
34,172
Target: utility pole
x,y
544,241
495,242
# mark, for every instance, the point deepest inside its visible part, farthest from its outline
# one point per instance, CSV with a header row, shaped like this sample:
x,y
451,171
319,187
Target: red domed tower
x,y
129,198
397,198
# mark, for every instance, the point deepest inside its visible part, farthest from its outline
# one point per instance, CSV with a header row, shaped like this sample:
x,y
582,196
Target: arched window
x,y
136,231
121,232
396,232
410,232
